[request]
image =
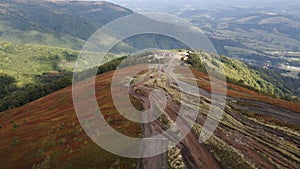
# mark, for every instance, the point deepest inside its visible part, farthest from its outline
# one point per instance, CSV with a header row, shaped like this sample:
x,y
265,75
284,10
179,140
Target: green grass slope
x,y
28,72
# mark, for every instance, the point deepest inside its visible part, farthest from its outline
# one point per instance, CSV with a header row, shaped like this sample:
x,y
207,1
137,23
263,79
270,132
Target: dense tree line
x,y
6,85
288,84
30,93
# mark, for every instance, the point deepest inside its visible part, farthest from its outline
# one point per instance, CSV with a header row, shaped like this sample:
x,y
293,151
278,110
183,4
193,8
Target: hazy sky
x,y
178,5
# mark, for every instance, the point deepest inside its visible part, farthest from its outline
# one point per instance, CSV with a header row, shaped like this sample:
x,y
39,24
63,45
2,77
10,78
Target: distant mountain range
x,y
57,23
177,6
67,24
261,37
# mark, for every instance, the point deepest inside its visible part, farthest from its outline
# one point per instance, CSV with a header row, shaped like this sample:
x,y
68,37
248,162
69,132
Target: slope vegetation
x,y
256,131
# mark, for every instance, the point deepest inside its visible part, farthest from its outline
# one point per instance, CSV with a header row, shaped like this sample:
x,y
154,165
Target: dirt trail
x,y
195,155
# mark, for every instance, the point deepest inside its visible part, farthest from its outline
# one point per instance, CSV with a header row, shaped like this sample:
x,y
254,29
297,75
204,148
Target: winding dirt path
x,y
195,155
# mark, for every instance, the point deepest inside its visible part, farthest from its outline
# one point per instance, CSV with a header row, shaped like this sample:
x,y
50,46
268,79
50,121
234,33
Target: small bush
x,y
62,141
109,121
15,141
16,126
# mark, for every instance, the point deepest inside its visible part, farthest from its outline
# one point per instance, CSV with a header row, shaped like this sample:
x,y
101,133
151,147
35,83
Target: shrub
x,y
15,141
16,126
62,141
109,121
